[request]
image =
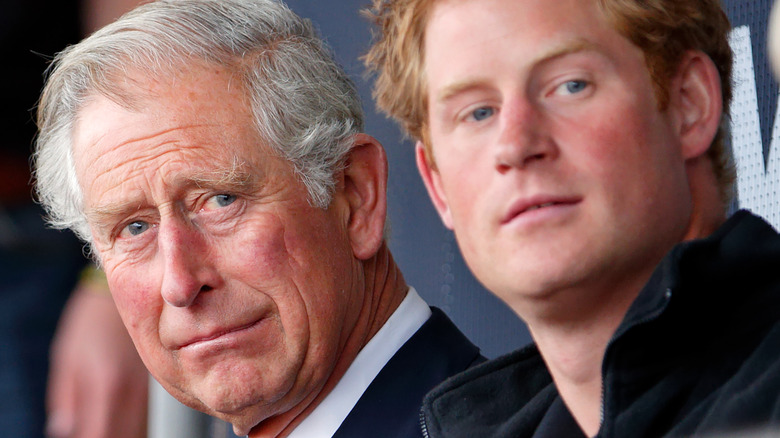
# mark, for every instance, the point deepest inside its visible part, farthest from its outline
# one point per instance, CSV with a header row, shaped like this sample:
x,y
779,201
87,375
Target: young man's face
x,y
553,164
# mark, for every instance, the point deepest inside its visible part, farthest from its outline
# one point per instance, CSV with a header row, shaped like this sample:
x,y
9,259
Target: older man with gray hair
x,y
211,154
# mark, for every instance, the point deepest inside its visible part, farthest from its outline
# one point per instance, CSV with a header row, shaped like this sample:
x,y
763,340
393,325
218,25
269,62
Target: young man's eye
x,y
572,87
483,113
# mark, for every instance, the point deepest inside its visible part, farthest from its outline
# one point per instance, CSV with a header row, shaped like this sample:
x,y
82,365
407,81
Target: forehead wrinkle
x,y
134,111
127,152
477,82
127,166
160,133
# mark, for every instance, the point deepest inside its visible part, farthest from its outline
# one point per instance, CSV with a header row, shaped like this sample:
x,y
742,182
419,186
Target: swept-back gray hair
x,y
304,105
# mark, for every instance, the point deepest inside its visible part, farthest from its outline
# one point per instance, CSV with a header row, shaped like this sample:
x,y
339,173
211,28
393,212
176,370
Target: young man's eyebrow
x,y
460,87
567,48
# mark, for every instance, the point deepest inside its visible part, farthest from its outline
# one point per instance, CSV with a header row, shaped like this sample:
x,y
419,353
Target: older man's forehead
x,y
193,130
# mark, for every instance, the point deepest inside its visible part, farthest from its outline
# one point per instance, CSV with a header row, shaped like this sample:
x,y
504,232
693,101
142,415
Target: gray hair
x,y
304,105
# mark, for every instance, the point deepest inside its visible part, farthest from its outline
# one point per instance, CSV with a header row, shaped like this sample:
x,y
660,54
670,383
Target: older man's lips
x,y
216,335
539,207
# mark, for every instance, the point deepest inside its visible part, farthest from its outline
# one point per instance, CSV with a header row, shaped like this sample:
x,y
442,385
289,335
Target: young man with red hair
x,y
576,149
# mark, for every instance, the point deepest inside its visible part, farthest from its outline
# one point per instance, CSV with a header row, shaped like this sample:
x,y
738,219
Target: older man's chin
x,y
271,419
250,421
237,404
243,416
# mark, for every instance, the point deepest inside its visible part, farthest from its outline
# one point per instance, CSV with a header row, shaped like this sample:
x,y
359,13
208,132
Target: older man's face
x,y
237,293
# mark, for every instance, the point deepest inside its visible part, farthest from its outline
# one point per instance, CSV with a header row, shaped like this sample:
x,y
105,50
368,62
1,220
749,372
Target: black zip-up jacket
x,y
698,353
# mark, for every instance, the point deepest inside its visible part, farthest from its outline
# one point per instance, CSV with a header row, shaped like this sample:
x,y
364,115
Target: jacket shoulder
x,y
506,396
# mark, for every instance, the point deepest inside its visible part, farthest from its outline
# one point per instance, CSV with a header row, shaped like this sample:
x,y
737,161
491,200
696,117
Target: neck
x,y
709,211
383,288
573,346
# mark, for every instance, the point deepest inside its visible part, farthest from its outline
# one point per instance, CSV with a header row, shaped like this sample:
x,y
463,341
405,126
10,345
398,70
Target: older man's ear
x,y
365,189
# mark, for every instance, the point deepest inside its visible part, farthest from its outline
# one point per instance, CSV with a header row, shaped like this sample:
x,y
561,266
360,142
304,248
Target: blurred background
x,y
40,267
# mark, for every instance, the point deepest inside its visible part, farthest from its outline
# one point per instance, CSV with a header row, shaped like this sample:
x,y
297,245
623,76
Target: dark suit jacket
x,y
390,407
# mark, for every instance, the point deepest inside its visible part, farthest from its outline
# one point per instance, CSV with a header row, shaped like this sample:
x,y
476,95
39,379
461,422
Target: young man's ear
x,y
365,189
696,95
432,181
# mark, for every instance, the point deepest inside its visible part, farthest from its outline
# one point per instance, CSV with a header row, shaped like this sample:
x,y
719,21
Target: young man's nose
x,y
523,138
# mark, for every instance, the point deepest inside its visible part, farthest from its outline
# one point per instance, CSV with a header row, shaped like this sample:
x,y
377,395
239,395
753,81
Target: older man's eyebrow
x,y
474,83
104,218
239,176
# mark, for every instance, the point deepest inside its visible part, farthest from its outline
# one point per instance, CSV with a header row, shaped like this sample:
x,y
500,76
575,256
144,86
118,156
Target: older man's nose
x,y
187,266
523,138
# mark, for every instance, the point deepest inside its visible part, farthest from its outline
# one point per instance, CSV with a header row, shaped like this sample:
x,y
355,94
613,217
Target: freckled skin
x,y
564,182
265,258
599,140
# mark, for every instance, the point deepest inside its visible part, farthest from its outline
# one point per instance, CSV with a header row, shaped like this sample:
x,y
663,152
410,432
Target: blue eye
x,y
217,202
483,113
224,200
574,87
137,228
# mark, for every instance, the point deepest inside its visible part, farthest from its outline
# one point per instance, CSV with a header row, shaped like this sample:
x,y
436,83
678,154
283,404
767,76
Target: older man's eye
x,y
221,201
224,200
137,228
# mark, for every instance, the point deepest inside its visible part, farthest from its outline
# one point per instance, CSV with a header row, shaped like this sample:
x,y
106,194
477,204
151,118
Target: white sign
x,y
758,182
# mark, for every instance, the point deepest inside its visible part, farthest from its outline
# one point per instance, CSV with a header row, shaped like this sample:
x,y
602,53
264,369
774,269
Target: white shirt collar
x,y
326,418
